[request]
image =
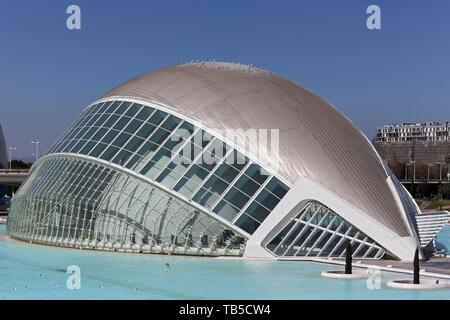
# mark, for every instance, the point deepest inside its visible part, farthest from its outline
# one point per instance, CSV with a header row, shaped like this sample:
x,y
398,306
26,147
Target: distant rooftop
x,y
418,124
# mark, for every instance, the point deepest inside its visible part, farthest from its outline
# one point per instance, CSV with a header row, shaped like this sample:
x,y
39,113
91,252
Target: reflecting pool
x,y
29,271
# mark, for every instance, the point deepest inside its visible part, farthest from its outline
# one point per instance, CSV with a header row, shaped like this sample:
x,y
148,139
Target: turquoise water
x,y
39,272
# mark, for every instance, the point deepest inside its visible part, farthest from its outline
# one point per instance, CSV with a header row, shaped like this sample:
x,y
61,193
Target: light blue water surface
x,y
29,271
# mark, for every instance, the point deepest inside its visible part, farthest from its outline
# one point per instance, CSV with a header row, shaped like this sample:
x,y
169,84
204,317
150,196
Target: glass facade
x,y
173,152
76,197
79,203
317,231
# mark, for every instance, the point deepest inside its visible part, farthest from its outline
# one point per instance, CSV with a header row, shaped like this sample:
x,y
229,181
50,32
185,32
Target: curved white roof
x,y
316,140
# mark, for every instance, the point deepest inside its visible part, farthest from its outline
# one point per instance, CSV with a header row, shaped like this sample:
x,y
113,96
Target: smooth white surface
x,y
306,189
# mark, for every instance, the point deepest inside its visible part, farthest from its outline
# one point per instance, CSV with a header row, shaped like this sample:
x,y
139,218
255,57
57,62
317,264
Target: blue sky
x,y
48,74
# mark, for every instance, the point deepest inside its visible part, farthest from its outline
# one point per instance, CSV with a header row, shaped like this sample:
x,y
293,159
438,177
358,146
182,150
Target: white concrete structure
x,y
112,182
428,131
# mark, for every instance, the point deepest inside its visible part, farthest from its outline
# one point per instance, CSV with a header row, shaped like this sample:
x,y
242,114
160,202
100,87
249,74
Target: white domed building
x,y
114,179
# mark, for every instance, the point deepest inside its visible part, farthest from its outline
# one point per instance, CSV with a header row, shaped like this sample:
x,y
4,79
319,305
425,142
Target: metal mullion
x,y
109,203
132,135
352,240
193,162
45,217
80,204
40,216
343,238
144,123
379,253
62,205
325,231
361,245
167,221
157,127
302,232
181,147
76,195
161,198
105,200
46,210
38,184
128,199
61,138
33,220
232,183
371,247
171,134
27,222
65,220
66,200
120,132
87,202
213,171
294,227
101,126
141,212
316,228
161,215
252,199
124,184
333,235
95,202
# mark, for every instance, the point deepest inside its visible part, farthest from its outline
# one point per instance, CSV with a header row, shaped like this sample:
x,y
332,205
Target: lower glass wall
x,y
78,203
317,231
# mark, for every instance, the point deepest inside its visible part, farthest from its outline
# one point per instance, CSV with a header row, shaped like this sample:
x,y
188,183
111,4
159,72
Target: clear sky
x,y
48,74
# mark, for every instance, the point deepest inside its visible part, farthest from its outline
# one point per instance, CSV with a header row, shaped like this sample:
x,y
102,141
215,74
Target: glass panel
x,y
119,125
131,112
191,181
112,119
226,210
257,212
121,157
267,199
277,187
171,123
254,172
109,153
237,160
98,150
226,172
122,108
133,144
246,185
121,139
210,191
133,126
159,136
157,117
99,134
110,136
146,130
144,113
247,223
